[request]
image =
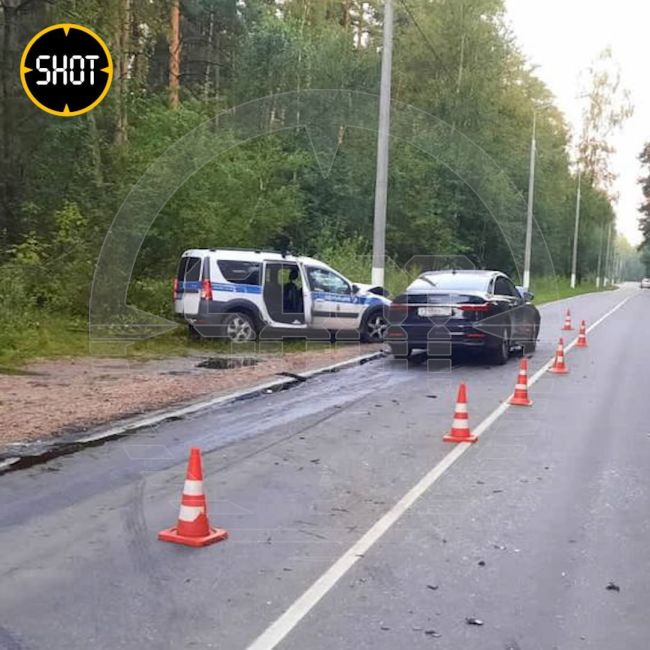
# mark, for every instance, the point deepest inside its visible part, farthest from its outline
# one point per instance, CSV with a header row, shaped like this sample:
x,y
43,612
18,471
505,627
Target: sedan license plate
x,y
434,311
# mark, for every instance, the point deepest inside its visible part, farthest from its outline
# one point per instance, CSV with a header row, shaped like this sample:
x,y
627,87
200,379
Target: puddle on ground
x,y
228,363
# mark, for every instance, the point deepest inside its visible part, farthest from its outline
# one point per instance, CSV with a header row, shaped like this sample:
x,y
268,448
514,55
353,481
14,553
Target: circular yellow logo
x,y
66,70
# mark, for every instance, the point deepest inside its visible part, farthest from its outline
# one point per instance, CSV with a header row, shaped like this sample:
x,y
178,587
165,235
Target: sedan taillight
x,y
480,308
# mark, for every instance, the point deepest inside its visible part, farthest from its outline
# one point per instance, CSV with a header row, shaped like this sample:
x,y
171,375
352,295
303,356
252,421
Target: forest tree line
x,y
179,63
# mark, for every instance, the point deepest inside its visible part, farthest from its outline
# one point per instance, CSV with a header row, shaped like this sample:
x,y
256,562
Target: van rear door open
x,y
188,286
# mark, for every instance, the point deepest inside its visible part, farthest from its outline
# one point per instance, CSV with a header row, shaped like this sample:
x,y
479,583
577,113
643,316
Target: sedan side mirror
x,y
355,289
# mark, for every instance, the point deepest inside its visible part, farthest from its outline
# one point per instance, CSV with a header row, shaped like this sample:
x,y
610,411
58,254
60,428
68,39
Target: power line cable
x,y
423,35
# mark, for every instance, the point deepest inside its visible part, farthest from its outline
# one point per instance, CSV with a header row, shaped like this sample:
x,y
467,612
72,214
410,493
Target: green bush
x,y
152,295
352,257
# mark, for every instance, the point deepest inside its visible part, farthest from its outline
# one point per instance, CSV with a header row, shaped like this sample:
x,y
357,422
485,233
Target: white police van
x,y
243,294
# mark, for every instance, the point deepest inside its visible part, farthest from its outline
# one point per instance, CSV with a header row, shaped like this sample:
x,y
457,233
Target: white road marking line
x,y
548,364
279,629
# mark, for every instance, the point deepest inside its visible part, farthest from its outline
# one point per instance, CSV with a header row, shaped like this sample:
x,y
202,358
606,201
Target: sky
x,y
562,37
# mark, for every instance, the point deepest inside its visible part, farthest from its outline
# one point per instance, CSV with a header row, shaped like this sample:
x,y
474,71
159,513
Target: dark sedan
x,y
474,310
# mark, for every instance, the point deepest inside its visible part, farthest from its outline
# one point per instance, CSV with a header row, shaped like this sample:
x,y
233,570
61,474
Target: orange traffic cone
x,y
559,367
460,426
567,322
520,396
582,336
193,528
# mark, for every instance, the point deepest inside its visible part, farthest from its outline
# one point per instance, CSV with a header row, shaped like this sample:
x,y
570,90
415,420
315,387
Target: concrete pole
x,y
600,257
574,261
381,179
607,257
529,215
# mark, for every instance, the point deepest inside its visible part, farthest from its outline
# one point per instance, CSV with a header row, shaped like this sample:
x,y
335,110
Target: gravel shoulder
x,y
64,395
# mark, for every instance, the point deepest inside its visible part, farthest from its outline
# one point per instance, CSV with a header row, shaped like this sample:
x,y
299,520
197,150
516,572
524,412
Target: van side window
x,y
240,272
324,280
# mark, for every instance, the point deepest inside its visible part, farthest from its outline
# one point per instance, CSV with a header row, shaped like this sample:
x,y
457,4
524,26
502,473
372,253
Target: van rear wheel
x,y
239,327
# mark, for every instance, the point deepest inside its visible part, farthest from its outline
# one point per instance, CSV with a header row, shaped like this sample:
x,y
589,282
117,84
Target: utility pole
x,y
574,262
607,257
529,216
381,179
600,256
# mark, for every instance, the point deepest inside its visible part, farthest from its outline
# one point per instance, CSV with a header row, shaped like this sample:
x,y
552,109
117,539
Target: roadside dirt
x,y
64,395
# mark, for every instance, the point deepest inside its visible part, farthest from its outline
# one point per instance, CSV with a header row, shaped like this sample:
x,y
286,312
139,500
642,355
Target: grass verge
x,y
63,338
548,290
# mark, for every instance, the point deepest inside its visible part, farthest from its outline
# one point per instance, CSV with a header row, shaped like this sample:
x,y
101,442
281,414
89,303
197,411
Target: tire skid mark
x,y
8,641
160,606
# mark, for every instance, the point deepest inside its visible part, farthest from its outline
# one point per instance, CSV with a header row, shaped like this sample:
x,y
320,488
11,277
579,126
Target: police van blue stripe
x,y
189,286
346,298
237,288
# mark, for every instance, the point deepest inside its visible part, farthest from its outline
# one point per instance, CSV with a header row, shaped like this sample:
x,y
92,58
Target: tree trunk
x,y
174,54
95,148
8,164
208,58
124,41
345,13
299,66
360,25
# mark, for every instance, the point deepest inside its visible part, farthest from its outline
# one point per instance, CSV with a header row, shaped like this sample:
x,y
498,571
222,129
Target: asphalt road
x,y
523,530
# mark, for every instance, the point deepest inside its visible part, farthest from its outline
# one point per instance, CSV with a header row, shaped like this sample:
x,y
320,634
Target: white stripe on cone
x,y
460,424
193,488
190,513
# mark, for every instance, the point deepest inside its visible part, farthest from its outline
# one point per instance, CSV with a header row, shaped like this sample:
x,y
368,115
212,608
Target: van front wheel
x,y
374,327
239,328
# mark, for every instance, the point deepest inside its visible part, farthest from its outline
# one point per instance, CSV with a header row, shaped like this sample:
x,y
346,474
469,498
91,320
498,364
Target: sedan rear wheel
x,y
530,345
501,352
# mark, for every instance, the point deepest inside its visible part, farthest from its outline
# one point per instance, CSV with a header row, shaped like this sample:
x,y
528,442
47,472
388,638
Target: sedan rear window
x,y
451,281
